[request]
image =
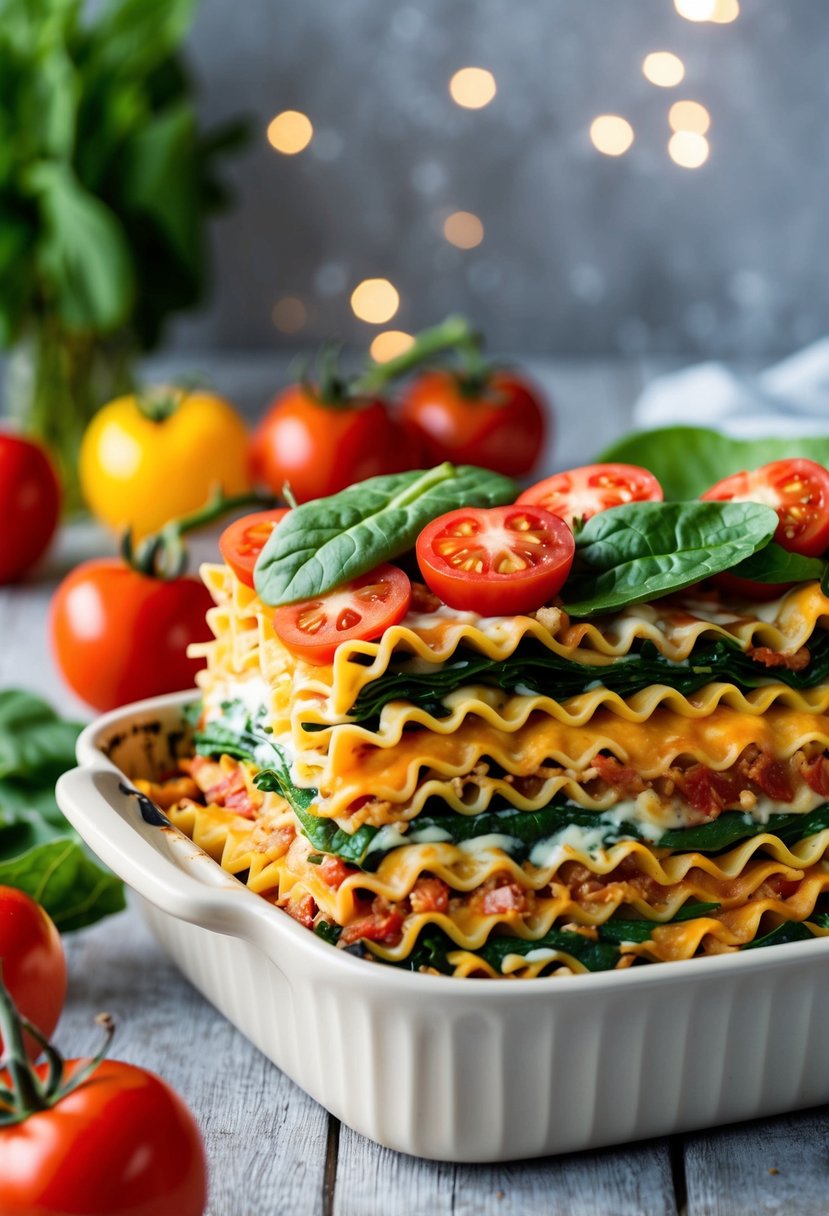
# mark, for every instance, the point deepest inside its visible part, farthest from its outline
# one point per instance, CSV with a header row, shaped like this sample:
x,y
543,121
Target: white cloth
x,y
790,398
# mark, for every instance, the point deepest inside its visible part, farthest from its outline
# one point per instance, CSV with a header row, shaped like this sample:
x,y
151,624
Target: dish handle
x,y
139,844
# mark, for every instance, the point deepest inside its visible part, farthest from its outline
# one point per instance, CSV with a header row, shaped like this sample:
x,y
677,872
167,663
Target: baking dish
x,y
451,1069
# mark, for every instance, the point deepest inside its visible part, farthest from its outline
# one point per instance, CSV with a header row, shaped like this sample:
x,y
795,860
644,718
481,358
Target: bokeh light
x,y
696,10
389,344
472,88
725,11
290,132
688,149
375,301
663,68
611,134
463,229
689,116
289,315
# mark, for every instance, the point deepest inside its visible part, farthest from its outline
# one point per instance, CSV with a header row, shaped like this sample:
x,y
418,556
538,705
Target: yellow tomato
x,y
148,459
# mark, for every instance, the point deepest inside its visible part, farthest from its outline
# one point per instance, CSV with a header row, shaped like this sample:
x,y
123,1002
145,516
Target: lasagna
x,y
526,795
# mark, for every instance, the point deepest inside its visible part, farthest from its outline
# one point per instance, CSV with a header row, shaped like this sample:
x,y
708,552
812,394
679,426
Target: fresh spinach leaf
x,y
327,542
64,879
39,851
34,739
641,551
774,564
688,460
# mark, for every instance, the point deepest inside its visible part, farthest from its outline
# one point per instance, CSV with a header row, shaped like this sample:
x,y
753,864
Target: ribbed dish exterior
x,y
460,1077
460,1069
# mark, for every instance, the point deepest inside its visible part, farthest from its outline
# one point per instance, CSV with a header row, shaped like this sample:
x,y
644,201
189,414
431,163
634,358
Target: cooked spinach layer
x,y
242,735
535,669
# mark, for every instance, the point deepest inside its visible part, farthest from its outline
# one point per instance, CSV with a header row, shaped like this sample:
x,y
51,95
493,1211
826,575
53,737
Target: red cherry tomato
x,y
119,636
797,489
242,541
320,448
499,561
122,1142
29,505
33,962
499,425
361,610
584,492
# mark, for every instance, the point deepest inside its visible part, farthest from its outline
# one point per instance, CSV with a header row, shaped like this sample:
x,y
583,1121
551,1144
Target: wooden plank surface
x,y
266,1140
768,1167
631,1181
271,1148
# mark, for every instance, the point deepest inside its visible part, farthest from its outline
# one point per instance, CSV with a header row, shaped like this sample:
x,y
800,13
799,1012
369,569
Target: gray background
x,y
583,253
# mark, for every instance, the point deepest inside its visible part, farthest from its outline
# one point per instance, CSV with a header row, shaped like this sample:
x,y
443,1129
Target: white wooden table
x,y
271,1148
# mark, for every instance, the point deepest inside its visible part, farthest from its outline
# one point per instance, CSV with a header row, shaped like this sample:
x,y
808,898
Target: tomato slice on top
x,y
797,489
499,561
584,492
242,541
360,610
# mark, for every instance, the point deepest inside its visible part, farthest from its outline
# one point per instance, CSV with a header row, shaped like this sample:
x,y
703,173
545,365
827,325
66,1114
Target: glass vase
x,y
55,381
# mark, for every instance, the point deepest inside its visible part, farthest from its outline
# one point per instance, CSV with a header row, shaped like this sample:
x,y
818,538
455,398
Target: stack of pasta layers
x,y
523,796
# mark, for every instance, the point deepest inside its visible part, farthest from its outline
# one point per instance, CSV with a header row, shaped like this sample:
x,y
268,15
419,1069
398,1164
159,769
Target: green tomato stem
x,y
453,334
163,555
26,1095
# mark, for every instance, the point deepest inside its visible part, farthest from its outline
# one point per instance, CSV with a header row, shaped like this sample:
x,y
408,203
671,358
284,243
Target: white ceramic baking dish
x,y
458,1070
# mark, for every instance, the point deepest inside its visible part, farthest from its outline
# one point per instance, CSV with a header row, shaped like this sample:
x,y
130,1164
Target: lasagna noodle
x,y
354,770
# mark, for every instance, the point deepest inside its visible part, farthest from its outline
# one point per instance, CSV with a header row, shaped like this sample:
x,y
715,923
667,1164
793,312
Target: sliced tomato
x,y
359,610
584,492
797,489
498,561
242,541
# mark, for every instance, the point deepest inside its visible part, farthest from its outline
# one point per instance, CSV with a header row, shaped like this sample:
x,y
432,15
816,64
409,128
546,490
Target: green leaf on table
x,y
688,460
329,541
641,551
40,852
35,742
61,876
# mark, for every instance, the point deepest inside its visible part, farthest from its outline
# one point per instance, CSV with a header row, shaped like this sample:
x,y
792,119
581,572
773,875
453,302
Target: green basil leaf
x,y
774,564
64,879
329,541
641,551
83,252
688,460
